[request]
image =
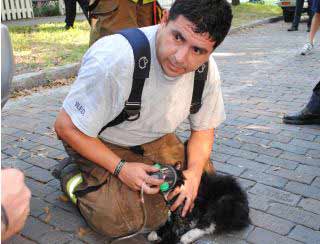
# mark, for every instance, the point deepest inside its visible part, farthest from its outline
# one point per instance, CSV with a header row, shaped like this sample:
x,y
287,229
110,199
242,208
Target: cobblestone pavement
x,y
278,165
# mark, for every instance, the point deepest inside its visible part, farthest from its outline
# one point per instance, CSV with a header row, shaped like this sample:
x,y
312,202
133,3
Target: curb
x,y
256,23
34,79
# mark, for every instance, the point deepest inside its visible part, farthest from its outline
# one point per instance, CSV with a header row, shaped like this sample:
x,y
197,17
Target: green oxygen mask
x,y
168,173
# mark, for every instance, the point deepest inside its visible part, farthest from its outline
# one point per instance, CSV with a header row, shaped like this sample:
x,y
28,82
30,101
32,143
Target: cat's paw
x,y
153,236
191,236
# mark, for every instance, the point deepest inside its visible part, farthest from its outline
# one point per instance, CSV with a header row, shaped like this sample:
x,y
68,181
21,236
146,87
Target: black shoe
x,y
310,114
64,171
304,117
57,170
308,29
67,27
293,28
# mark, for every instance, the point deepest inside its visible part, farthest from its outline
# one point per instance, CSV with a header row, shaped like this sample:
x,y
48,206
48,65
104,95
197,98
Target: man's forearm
x,y
88,147
199,149
92,149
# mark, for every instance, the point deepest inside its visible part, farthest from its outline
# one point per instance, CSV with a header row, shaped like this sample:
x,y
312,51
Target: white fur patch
x,y
195,234
193,224
153,236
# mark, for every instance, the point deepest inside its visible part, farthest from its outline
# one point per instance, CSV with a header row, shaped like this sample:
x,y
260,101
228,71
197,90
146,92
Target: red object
x,y
155,11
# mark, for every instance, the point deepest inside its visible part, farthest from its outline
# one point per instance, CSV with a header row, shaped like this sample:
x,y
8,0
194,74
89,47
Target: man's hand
x,y
15,199
187,192
135,175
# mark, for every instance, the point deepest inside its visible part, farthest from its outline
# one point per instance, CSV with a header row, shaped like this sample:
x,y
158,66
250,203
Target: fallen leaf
x,y
48,218
59,157
83,231
22,139
63,198
43,155
46,210
50,134
21,152
50,84
257,127
276,168
41,149
265,146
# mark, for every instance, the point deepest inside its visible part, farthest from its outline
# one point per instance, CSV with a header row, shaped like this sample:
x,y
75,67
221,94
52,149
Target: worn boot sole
x,y
302,122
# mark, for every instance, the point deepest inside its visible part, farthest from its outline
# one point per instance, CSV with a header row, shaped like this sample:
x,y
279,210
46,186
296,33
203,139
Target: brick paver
x,y
279,165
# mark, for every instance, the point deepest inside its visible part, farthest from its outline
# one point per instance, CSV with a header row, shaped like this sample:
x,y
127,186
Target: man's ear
x,y
165,17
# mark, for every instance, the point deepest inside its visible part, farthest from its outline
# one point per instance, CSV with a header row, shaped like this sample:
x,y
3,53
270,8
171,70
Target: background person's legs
x,y
144,14
310,14
84,4
307,48
297,15
314,26
70,12
310,114
108,19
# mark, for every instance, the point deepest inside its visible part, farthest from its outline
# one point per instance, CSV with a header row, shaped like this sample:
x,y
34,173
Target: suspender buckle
x,y
133,110
194,108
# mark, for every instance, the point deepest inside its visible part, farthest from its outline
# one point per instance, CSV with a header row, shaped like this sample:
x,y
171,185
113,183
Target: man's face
x,y
179,49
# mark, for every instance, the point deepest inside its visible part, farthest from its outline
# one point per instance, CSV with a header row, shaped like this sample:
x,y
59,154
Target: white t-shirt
x,y
104,83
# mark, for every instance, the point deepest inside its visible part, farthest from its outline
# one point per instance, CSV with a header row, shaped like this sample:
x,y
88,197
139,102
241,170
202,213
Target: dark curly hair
x,y
212,16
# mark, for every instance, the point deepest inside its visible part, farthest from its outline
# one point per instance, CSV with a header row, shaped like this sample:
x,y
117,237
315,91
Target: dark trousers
x,y
110,16
314,102
298,12
71,6
317,88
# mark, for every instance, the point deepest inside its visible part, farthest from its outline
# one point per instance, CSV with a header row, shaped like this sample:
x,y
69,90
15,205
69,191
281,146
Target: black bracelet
x,y
4,218
119,167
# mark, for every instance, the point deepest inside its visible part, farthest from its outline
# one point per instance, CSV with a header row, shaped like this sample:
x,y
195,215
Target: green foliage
x,y
248,12
51,9
48,45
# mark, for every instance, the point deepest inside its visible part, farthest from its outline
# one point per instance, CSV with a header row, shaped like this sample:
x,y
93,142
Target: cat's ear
x,y
178,165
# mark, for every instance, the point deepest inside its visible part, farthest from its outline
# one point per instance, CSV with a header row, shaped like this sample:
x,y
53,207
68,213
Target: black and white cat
x,y
221,206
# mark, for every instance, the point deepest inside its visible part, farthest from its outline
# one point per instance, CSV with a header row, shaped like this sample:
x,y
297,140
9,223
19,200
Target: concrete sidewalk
x,y
278,165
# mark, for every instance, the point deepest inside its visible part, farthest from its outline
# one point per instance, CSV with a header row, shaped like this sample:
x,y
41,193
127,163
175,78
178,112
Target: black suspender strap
x,y
93,5
142,59
200,77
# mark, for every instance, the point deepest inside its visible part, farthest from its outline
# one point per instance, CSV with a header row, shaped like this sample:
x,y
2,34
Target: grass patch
x,y
50,45
249,12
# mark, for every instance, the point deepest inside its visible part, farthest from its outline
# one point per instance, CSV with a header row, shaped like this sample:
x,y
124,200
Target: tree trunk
x,y
235,2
